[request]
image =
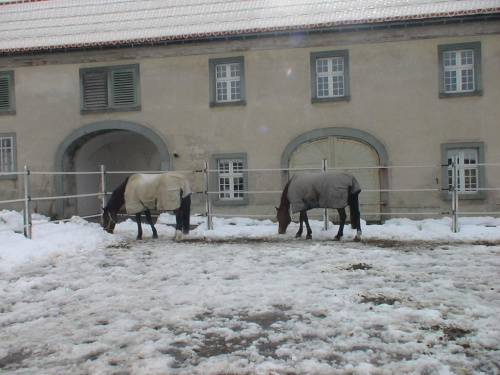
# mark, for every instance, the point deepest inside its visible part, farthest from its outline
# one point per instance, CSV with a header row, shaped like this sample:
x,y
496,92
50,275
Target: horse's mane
x,y
284,199
117,199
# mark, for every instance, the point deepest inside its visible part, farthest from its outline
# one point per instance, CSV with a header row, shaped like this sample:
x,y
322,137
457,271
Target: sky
x,y
411,298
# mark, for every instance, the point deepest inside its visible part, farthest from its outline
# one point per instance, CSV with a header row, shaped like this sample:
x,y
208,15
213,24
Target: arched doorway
x,y
344,148
119,145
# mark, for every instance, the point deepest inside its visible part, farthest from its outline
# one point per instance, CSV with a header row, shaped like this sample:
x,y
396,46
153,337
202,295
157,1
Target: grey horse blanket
x,y
160,191
321,190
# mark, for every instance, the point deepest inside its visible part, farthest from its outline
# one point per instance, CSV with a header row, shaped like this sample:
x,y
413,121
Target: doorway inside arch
x,y
118,151
343,152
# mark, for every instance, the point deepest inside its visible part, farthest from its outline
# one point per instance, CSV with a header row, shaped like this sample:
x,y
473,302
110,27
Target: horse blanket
x,y
321,190
160,191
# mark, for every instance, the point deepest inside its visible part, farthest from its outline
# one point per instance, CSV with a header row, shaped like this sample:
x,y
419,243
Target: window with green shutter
x,y
7,106
113,88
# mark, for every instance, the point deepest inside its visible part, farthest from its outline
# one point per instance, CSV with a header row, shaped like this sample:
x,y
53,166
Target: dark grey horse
x,y
320,190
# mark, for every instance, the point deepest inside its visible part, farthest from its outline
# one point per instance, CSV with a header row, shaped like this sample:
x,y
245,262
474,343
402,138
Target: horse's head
x,y
284,218
109,220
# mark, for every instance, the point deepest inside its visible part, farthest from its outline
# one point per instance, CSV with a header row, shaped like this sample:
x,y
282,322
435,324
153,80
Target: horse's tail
x,y
185,211
353,202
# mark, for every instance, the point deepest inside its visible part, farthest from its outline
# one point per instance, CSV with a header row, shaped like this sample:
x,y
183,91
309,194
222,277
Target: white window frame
x,y
330,77
460,72
230,180
470,169
227,81
8,162
233,190
466,160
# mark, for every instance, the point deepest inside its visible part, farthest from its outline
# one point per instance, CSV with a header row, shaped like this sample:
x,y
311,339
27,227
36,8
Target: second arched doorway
x,y
344,148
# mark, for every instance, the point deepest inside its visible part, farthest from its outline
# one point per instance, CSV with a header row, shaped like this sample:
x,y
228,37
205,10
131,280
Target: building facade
x,y
393,101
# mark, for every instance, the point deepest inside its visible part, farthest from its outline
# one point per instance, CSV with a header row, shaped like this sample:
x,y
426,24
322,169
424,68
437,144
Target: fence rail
x,y
454,190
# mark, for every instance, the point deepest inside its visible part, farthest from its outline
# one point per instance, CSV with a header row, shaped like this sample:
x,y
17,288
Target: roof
x,y
27,25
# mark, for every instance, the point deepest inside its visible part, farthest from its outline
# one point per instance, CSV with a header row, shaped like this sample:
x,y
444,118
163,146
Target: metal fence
x,y
454,212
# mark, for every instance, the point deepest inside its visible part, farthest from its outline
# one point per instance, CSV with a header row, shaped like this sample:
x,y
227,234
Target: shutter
x,y
95,90
5,103
123,88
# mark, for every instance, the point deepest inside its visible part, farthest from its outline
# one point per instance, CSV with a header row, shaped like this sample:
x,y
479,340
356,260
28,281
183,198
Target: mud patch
x,y
379,300
14,360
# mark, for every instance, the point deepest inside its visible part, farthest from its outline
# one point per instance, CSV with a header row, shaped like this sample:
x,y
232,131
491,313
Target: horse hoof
x,y
357,239
336,239
177,236
298,235
155,237
309,237
139,238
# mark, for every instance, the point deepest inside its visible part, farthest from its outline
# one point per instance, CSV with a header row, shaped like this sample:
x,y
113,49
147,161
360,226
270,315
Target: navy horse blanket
x,y
321,190
161,191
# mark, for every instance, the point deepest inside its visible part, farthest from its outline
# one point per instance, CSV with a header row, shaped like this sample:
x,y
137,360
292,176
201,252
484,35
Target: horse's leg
x,y
139,226
355,216
178,225
150,222
343,217
301,221
309,230
186,213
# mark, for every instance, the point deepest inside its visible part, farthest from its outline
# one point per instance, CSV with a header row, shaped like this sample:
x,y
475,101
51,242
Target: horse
x,y
320,190
140,193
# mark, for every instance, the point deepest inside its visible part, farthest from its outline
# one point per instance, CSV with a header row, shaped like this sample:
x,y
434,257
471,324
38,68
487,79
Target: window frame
x,y
110,72
212,65
214,166
11,109
478,82
314,56
12,136
481,178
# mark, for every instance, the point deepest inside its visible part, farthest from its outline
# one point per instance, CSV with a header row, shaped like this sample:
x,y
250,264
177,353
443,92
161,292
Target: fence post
x,y
324,167
27,220
207,196
454,197
104,187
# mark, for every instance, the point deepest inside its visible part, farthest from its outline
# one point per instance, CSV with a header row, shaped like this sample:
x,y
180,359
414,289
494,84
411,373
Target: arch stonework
x,y
91,130
338,132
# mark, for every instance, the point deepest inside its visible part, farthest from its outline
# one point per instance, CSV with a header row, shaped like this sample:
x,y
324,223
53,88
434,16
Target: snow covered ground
x,y
412,298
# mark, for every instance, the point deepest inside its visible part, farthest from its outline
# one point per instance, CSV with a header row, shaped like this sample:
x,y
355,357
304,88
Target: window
x,y
7,104
460,69
469,157
7,155
230,182
330,76
110,88
227,81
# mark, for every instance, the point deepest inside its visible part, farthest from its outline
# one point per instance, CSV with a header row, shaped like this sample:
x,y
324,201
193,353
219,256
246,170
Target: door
x,y
345,153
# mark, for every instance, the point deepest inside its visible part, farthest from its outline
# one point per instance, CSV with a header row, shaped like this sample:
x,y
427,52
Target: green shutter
x,y
95,90
5,93
123,93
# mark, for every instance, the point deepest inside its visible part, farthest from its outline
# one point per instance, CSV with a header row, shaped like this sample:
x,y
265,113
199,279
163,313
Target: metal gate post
x,y
27,207
454,199
324,167
207,196
104,187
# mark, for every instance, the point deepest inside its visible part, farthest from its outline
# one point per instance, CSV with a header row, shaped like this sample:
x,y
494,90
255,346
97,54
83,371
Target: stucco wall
x,y
394,97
